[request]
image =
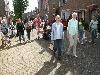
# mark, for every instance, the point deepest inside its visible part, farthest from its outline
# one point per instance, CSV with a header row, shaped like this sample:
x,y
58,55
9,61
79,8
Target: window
x,y
65,14
41,3
61,2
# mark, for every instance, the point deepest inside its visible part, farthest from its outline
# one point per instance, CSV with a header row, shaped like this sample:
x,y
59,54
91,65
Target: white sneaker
x,y
90,41
82,43
75,55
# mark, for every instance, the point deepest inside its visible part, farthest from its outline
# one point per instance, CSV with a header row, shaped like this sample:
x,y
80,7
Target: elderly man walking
x,y
57,35
72,32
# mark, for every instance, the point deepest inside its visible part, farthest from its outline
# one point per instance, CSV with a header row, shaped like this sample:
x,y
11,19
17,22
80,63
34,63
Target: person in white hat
x,y
72,31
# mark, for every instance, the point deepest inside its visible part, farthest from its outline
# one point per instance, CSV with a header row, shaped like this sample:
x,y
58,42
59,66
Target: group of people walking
x,y
75,33
27,26
21,29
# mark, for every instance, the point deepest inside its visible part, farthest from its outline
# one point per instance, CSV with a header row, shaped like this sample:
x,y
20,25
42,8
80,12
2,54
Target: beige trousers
x,y
73,43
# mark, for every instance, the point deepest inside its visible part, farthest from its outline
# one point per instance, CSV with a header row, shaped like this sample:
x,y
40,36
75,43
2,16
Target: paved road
x,y
36,58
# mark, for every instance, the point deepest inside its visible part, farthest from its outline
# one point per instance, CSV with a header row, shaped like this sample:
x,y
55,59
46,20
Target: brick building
x,y
42,7
2,8
47,8
84,8
7,10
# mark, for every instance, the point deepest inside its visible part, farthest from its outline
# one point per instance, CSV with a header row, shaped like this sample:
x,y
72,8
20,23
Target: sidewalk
x,y
36,58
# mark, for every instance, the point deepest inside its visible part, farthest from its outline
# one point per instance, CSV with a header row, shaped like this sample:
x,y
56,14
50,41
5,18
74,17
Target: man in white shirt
x,y
72,32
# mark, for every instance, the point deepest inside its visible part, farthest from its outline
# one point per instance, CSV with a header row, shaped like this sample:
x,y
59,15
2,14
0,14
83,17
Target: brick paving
x,y
36,58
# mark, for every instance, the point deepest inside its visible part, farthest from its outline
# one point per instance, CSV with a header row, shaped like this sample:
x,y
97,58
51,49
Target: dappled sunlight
x,y
69,73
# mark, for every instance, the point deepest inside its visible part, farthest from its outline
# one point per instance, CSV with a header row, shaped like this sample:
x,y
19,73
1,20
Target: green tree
x,y
19,7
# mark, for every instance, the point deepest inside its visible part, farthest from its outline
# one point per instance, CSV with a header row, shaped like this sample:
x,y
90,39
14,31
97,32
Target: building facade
x,y
43,8
7,10
2,8
84,8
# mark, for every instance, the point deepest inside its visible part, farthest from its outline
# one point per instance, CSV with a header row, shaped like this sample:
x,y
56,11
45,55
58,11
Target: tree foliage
x,y
19,7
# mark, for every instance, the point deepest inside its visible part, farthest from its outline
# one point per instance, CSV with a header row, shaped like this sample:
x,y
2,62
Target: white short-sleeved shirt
x,y
93,24
73,27
58,31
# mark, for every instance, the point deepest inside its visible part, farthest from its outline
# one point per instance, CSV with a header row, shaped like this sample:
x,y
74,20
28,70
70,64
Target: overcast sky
x,y
32,5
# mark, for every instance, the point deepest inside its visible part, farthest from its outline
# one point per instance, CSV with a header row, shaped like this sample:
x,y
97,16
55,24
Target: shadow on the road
x,y
87,62
67,65
16,45
19,44
1,47
45,45
48,67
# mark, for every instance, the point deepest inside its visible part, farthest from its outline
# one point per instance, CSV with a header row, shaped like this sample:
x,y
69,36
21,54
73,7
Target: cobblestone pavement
x,y
35,58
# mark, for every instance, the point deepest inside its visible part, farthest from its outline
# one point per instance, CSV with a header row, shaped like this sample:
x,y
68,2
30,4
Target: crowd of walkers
x,y
76,31
23,28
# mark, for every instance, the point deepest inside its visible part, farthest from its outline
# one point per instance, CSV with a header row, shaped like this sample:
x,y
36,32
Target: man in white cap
x,y
72,32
